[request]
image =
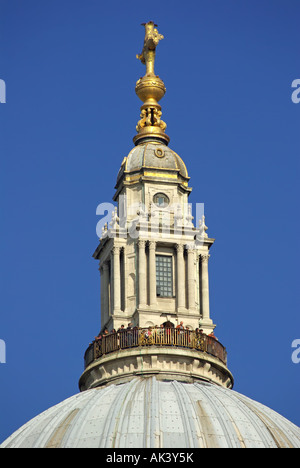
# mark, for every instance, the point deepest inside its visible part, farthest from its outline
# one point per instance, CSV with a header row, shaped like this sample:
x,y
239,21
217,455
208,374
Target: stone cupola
x,y
153,257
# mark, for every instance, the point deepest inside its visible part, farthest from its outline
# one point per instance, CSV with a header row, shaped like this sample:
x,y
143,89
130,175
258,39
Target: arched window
x,y
168,324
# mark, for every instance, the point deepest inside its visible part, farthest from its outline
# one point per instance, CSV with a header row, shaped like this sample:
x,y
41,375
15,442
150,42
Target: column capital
x,y
116,249
204,258
141,243
104,266
190,251
152,244
179,247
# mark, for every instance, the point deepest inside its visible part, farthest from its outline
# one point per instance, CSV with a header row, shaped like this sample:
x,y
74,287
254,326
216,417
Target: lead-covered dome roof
x,y
146,412
153,160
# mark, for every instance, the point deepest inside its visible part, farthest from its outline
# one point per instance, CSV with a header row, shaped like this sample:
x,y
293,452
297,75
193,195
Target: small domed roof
x,y
146,412
155,156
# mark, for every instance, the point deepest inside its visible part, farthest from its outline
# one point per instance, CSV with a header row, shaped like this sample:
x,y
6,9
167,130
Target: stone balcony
x,y
167,353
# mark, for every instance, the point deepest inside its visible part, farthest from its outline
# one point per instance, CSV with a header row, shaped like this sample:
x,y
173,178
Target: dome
x,y
155,156
148,413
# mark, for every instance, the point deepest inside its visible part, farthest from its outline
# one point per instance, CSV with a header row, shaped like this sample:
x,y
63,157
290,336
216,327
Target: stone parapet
x,y
187,365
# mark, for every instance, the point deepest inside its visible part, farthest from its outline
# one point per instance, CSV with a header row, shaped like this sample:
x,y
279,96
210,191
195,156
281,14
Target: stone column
x,y
152,273
104,293
116,279
180,293
205,287
142,274
191,278
124,276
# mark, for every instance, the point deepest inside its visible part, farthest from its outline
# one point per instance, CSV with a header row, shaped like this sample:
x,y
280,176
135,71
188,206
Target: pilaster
x,y
181,305
116,280
191,278
152,273
142,274
206,322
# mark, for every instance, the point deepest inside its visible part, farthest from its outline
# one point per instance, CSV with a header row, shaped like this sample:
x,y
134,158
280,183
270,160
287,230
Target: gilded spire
x,y
150,89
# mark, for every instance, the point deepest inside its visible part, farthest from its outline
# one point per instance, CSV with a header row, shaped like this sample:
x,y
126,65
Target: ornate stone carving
x,y
204,258
114,219
202,227
179,248
152,245
116,250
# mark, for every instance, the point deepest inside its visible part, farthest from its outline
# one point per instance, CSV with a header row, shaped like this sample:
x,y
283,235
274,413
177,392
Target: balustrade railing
x,y
154,337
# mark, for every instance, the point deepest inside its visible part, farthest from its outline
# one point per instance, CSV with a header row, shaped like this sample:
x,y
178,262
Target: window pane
x,y
161,200
164,278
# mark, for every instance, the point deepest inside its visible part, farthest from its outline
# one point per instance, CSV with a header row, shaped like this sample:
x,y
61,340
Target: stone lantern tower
x,y
153,261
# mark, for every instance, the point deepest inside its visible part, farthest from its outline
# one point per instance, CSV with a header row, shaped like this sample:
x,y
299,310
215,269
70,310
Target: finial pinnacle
x,y
150,89
152,38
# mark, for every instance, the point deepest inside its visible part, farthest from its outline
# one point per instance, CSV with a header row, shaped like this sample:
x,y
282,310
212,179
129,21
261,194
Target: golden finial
x,y
152,38
150,89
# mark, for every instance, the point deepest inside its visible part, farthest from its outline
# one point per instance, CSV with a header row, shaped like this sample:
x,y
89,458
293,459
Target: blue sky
x,y
69,119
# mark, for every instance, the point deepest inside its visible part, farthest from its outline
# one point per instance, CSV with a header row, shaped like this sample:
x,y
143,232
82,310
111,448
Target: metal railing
x,y
154,337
